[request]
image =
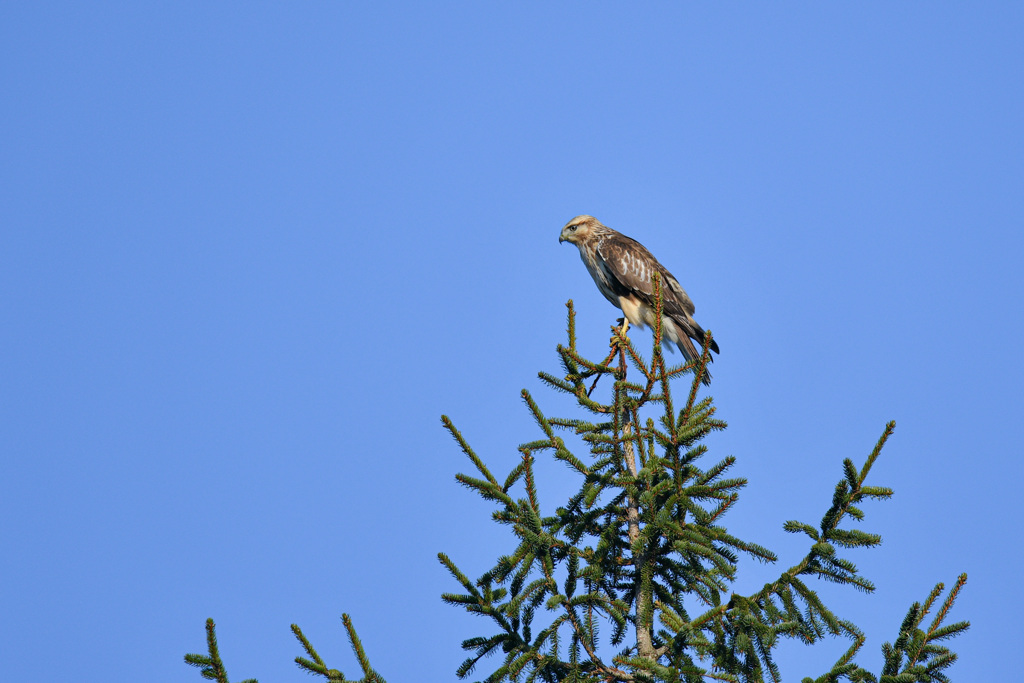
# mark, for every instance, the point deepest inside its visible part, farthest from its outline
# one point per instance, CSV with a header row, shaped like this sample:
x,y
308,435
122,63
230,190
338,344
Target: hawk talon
x,y
621,327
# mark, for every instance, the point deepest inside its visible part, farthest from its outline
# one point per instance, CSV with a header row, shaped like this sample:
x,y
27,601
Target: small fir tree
x,y
640,549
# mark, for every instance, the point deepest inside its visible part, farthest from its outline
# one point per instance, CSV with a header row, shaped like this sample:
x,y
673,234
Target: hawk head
x,y
579,229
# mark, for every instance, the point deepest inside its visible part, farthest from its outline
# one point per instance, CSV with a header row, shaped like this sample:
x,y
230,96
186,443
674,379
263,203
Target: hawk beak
x,y
560,239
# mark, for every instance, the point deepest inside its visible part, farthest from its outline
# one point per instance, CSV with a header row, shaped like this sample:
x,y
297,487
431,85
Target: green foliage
x,y
315,664
629,580
210,664
916,656
640,547
213,668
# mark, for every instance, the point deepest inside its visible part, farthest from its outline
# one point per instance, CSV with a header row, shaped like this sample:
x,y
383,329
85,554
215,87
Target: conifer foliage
x,y
629,580
210,665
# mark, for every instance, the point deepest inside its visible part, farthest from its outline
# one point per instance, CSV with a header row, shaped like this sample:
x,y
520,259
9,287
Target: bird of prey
x,y
622,269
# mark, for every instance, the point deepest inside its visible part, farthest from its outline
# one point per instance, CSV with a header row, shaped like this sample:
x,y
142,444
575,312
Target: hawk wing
x,y
630,268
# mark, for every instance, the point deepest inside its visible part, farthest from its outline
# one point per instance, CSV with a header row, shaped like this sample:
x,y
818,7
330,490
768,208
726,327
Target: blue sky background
x,y
250,252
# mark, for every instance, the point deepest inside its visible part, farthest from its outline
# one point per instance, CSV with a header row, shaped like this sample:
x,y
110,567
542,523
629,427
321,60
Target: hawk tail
x,y
699,336
684,331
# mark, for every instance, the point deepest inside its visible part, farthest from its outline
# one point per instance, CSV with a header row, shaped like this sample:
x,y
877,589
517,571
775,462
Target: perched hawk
x,y
622,269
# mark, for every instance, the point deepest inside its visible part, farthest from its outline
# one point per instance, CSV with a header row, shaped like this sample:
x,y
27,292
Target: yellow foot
x,y
623,324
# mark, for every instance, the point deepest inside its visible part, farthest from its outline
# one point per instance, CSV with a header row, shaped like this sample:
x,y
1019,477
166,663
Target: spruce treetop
x,y
629,580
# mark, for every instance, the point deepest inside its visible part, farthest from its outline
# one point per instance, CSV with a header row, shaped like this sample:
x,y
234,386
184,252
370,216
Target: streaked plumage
x,y
622,269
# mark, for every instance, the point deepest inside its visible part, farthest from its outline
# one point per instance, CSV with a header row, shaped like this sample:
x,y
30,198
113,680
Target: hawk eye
x,y
572,228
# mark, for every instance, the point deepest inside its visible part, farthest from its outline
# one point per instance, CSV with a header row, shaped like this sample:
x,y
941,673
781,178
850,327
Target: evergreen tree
x,y
640,551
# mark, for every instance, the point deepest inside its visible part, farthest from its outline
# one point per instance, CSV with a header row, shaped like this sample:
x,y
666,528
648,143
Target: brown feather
x,y
623,270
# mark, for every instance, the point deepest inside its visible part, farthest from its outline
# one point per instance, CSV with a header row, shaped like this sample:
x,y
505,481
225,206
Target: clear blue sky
x,y
250,252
